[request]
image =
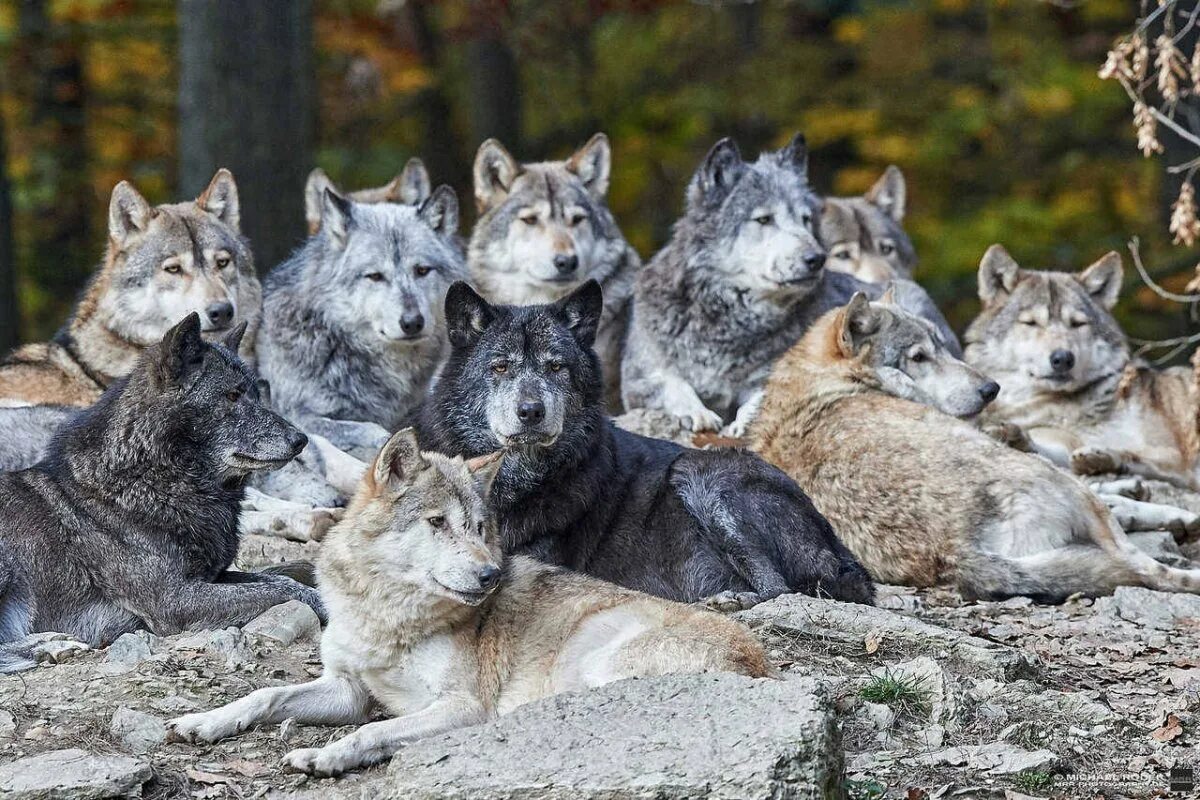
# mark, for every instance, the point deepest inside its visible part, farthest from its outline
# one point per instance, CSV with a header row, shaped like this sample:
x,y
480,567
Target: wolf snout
x,y
412,323
296,442
566,264
488,577
814,261
989,391
1062,361
531,412
220,315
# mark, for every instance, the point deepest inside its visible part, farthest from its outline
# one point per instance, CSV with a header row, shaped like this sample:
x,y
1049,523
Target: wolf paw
x,y
314,761
737,429
729,601
1094,461
701,419
1010,435
322,520
202,728
53,648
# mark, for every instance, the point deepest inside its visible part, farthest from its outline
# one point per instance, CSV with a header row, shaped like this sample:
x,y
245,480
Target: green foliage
x,y
904,694
1034,780
864,790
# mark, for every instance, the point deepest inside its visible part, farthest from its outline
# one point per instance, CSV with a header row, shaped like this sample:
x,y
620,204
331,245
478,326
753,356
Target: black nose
x,y
1061,361
814,261
489,576
297,441
566,264
989,391
412,324
220,314
531,412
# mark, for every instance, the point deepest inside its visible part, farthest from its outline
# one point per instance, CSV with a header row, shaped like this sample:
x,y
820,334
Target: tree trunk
x,y
494,82
441,148
246,102
9,327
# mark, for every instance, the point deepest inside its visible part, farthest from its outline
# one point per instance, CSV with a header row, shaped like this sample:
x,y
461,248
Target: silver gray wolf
x,y
545,229
870,392
865,237
1070,381
26,431
576,491
411,187
430,621
131,520
353,328
741,279
161,264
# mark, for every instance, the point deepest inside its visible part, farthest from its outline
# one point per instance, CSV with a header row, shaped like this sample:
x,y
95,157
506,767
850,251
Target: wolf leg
x,y
347,434
1132,488
263,514
329,700
378,741
342,470
1049,576
1136,515
746,413
234,599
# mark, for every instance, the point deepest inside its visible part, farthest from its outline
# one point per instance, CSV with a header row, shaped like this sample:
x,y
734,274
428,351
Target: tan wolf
x,y
428,620
161,264
411,187
863,414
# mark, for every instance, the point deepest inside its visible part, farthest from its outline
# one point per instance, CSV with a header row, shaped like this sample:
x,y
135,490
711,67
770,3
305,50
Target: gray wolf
x,y
411,187
544,229
868,393
1070,382
741,279
865,235
131,519
576,491
430,621
353,328
161,264
26,431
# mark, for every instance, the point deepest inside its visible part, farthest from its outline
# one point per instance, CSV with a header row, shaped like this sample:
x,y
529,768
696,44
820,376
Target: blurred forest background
x,y
993,110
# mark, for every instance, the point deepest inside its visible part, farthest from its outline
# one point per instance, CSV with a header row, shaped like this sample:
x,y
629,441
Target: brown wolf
x,y
428,620
161,264
411,187
862,413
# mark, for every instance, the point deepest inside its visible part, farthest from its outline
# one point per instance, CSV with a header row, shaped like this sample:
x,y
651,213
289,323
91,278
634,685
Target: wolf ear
x,y
337,216
233,339
998,274
412,186
128,213
593,164
221,199
181,350
467,315
314,191
495,170
440,211
581,310
857,323
889,296
889,193
399,460
1103,279
484,470
795,154
717,174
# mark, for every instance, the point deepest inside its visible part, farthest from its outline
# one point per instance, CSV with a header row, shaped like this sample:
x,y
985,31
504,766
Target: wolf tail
x,y
16,616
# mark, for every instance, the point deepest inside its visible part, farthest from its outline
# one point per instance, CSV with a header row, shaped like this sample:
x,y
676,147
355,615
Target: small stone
x,y
72,774
140,732
285,623
1166,611
997,758
36,733
130,649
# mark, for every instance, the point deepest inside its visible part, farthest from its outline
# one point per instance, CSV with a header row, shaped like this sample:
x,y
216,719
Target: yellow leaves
x,y
826,124
889,148
849,30
1047,101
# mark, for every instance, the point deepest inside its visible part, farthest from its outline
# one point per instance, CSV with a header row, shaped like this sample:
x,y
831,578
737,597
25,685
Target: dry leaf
x,y
248,769
1170,730
200,776
872,641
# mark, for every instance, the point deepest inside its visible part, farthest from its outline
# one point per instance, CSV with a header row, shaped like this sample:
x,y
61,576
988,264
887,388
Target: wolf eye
x,y
1030,322
887,248
577,218
764,219
500,367
1078,323
422,270
436,522
555,366
844,255
529,218
223,261
233,395
172,267
918,357
374,277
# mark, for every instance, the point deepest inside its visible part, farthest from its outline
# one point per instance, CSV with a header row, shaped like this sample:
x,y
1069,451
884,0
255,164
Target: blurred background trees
x,y
994,110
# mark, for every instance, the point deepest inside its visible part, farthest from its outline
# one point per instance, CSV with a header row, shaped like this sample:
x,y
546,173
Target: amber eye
x,y
437,522
555,366
764,219
918,357
233,395
529,219
223,262
172,267
500,367
422,271
374,277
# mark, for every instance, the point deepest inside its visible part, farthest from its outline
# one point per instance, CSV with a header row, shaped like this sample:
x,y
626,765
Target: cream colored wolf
x,y
429,621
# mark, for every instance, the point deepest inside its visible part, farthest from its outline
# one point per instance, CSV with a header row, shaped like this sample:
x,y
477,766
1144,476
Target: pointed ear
x,y
180,351
484,469
795,154
1102,280
398,462
128,214
495,171
580,311
593,164
440,211
889,193
889,296
856,323
314,192
717,174
337,216
233,339
467,315
412,186
221,199
998,274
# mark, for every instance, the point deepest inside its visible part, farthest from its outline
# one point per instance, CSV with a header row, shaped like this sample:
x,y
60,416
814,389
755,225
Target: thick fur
x,y
161,264
131,519
544,229
865,235
740,281
431,622
578,492
411,187
25,433
1069,379
353,326
921,497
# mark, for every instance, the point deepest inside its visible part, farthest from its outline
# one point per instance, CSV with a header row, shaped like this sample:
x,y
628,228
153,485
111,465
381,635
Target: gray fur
x,y
865,235
26,431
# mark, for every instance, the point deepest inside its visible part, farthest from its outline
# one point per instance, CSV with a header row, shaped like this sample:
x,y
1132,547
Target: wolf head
x,y
901,354
1049,332
165,262
518,376
411,187
544,228
865,235
756,221
419,519
387,266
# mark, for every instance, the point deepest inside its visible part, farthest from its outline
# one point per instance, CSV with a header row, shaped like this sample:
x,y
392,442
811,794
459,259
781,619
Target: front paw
x,y
1014,436
738,428
202,728
52,647
320,761
699,418
1094,461
729,601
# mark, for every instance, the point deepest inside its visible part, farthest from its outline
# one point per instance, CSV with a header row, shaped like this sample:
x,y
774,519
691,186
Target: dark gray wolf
x,y
411,187
545,229
865,235
574,490
740,281
131,519
353,327
161,264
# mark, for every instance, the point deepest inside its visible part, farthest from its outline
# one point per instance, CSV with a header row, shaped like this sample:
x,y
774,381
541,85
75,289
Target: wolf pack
x,y
439,414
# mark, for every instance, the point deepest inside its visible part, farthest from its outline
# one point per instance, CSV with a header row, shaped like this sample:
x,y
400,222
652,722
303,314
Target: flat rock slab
x,y
1162,610
73,774
681,736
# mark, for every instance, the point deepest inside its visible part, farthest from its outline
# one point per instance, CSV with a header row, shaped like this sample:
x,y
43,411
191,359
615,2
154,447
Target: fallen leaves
x,y
1171,729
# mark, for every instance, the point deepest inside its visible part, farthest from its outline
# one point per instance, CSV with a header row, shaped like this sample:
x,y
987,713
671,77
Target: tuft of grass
x,y
864,790
1034,780
905,694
